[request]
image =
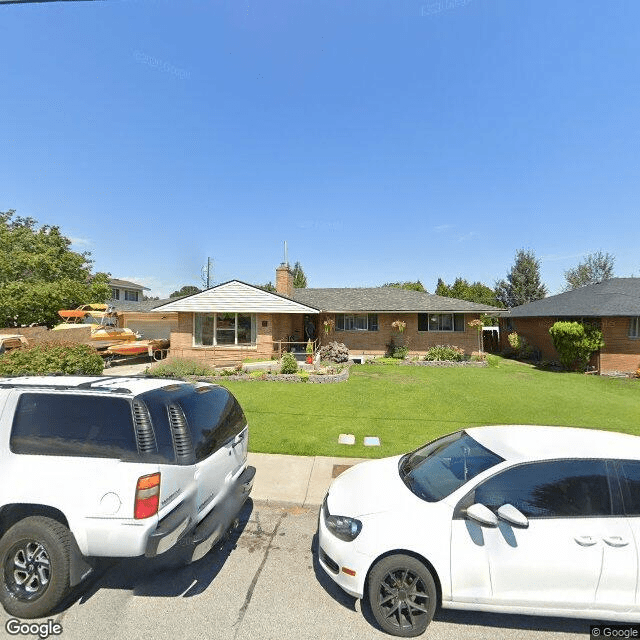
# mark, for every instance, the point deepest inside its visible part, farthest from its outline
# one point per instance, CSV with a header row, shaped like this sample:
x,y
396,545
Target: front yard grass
x,y
408,406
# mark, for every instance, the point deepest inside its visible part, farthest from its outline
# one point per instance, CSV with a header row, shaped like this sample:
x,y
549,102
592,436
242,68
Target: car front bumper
x,y
342,561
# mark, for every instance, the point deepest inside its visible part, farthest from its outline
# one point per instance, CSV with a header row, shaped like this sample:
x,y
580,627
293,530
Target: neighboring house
x,y
234,321
137,316
125,291
612,305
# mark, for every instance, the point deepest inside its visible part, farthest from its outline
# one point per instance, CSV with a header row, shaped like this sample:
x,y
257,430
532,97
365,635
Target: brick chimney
x,y
284,280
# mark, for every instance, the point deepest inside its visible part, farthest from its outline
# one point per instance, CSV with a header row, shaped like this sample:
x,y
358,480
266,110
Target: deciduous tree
x,y
40,274
595,268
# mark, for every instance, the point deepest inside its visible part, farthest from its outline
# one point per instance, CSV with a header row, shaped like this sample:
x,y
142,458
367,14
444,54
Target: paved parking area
x,y
263,583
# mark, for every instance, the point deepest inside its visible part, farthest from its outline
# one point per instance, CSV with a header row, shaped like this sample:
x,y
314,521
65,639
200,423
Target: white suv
x,y
111,466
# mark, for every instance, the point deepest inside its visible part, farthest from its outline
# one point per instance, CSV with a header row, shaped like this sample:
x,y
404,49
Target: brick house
x,y
235,321
612,305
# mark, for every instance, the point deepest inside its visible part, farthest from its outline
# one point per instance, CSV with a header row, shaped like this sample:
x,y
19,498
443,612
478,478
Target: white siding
x,y
237,297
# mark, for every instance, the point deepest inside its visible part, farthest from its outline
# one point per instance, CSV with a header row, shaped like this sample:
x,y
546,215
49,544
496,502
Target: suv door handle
x,y
585,541
616,541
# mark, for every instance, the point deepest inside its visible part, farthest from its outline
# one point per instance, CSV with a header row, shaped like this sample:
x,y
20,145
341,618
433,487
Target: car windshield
x,y
444,465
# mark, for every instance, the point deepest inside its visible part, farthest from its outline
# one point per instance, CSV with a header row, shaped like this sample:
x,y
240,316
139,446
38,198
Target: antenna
x,y
286,257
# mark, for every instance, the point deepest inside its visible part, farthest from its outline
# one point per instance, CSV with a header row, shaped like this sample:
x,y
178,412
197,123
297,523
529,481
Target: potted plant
x,y
309,352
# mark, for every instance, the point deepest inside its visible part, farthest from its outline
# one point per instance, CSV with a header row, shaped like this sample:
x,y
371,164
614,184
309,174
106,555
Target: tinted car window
x,y
213,417
444,465
559,488
73,425
630,480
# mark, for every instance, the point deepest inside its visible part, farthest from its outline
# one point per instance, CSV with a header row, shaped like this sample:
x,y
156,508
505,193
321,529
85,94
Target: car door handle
x,y
616,541
585,541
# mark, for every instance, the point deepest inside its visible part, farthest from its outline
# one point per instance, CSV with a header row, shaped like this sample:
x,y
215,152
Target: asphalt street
x,y
264,582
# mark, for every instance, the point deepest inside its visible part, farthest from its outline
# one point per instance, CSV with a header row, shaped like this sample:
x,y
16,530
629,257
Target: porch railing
x,y
289,343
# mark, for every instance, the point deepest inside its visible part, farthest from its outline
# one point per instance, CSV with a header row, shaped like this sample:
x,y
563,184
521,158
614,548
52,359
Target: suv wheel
x,y
34,556
402,595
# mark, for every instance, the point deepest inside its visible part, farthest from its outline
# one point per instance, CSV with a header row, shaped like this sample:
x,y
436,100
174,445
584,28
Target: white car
x,y
511,519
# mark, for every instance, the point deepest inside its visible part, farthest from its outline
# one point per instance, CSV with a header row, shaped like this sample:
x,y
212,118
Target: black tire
x,y
34,559
402,595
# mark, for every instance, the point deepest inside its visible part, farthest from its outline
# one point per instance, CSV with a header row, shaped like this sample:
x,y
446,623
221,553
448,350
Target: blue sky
x,y
383,140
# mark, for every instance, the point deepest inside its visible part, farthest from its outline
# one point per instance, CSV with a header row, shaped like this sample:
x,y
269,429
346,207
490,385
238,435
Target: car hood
x,y
367,488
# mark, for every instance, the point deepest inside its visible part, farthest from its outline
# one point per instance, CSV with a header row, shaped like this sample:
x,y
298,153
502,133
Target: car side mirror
x,y
482,515
510,514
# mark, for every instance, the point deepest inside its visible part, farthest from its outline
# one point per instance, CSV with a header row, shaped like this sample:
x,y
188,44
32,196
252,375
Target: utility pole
x,y
205,274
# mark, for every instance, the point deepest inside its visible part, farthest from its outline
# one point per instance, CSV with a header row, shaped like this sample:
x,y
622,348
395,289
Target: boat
x,y
102,319
138,347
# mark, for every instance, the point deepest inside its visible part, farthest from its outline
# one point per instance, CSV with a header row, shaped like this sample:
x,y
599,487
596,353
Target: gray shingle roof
x,y
114,282
381,299
615,297
140,307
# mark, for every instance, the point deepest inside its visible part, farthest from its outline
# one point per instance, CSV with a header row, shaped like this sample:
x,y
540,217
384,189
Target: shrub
x,y
288,364
335,352
447,352
180,368
521,348
397,350
575,343
40,359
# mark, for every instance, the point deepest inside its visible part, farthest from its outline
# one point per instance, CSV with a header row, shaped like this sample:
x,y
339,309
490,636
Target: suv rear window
x,y
73,425
213,417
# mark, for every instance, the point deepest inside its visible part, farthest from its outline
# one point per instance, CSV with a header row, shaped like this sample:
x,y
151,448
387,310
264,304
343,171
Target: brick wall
x,y
419,342
620,353
182,343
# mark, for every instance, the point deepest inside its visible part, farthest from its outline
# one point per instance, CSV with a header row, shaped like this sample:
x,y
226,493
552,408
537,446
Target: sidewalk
x,y
295,480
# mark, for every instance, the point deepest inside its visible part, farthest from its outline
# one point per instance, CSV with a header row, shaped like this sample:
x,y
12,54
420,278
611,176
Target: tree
x,y
267,287
595,268
472,292
187,290
299,279
523,283
40,274
411,286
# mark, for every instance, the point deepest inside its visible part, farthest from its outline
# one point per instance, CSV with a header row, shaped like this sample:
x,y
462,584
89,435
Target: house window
x,y
441,322
634,327
220,329
115,293
356,322
131,295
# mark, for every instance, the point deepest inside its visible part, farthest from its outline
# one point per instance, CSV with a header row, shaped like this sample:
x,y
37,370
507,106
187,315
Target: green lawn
x,y
407,406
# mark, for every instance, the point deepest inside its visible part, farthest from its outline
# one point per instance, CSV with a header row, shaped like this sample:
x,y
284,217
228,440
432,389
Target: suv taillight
x,y
147,496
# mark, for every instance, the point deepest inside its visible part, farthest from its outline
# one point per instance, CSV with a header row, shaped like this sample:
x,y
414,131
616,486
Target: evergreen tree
x,y
299,279
523,283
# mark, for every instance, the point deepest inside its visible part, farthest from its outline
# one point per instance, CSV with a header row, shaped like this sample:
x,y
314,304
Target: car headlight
x,y
341,527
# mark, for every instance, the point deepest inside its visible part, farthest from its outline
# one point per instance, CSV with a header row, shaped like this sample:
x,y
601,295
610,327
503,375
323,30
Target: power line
x,y
40,1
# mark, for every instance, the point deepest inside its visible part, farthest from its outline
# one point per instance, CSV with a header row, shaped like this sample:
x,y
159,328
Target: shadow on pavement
x,y
168,575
